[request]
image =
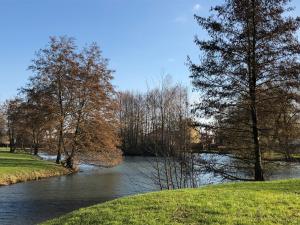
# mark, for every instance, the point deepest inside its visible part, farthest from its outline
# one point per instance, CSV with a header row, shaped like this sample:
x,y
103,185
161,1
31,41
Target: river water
x,y
36,201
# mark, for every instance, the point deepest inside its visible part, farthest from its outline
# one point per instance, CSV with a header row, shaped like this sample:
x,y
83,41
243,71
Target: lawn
x,y
18,167
276,202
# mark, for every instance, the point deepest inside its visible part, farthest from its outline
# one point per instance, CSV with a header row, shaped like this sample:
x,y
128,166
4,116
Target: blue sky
x,y
143,39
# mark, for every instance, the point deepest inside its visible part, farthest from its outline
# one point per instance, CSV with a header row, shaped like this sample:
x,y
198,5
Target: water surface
x,y
36,201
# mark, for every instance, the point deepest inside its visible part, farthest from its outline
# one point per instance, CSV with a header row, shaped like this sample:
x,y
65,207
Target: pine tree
x,y
252,49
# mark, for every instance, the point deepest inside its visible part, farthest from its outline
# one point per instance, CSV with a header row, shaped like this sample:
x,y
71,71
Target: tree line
x,y
248,106
158,123
155,122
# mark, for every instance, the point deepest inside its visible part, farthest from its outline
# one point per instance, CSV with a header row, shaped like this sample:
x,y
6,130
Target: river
x,y
36,201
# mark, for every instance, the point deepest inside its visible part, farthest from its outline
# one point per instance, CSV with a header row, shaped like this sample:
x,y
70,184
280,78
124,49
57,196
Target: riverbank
x,y
275,202
20,167
280,157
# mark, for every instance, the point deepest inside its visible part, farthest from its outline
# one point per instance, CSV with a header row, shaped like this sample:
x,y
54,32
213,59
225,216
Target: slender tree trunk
x,y
259,176
60,143
36,149
35,143
258,169
70,160
58,157
61,125
70,164
11,142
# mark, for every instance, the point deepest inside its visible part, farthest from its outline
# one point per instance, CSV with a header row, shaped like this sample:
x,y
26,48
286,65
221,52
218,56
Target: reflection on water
x,y
284,170
36,201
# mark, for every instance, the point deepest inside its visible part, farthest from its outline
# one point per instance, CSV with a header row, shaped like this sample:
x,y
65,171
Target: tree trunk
x,y
11,142
35,143
61,125
70,162
258,168
58,157
12,149
60,144
36,149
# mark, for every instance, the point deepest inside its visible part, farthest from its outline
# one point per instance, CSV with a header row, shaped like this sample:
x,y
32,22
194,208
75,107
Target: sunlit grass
x,y
17,167
271,155
4,149
276,202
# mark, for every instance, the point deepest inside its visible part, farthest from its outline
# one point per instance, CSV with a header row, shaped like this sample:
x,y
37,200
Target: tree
x,y
93,109
53,68
15,124
134,120
2,126
252,49
158,123
284,123
79,98
38,116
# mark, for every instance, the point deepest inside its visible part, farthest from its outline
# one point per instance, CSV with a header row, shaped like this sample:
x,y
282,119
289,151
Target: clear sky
x,y
142,38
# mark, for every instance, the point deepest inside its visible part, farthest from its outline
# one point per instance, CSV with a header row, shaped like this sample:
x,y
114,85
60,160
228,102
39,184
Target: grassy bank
x,y
277,156
20,167
276,202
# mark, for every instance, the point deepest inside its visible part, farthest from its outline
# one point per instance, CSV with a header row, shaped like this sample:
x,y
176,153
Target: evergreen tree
x,y
252,49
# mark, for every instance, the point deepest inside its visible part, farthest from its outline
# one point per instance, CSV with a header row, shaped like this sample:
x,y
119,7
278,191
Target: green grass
x,y
18,167
276,202
4,149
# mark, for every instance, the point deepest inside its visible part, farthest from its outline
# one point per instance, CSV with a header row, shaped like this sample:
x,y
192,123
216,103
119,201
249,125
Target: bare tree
x,y
15,124
3,133
53,68
38,116
79,98
94,121
158,123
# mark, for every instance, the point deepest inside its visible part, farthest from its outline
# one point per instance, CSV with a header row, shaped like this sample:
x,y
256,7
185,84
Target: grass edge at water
x,y
21,167
274,202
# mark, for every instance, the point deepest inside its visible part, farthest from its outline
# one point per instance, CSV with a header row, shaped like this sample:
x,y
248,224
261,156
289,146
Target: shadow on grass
x,y
22,162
